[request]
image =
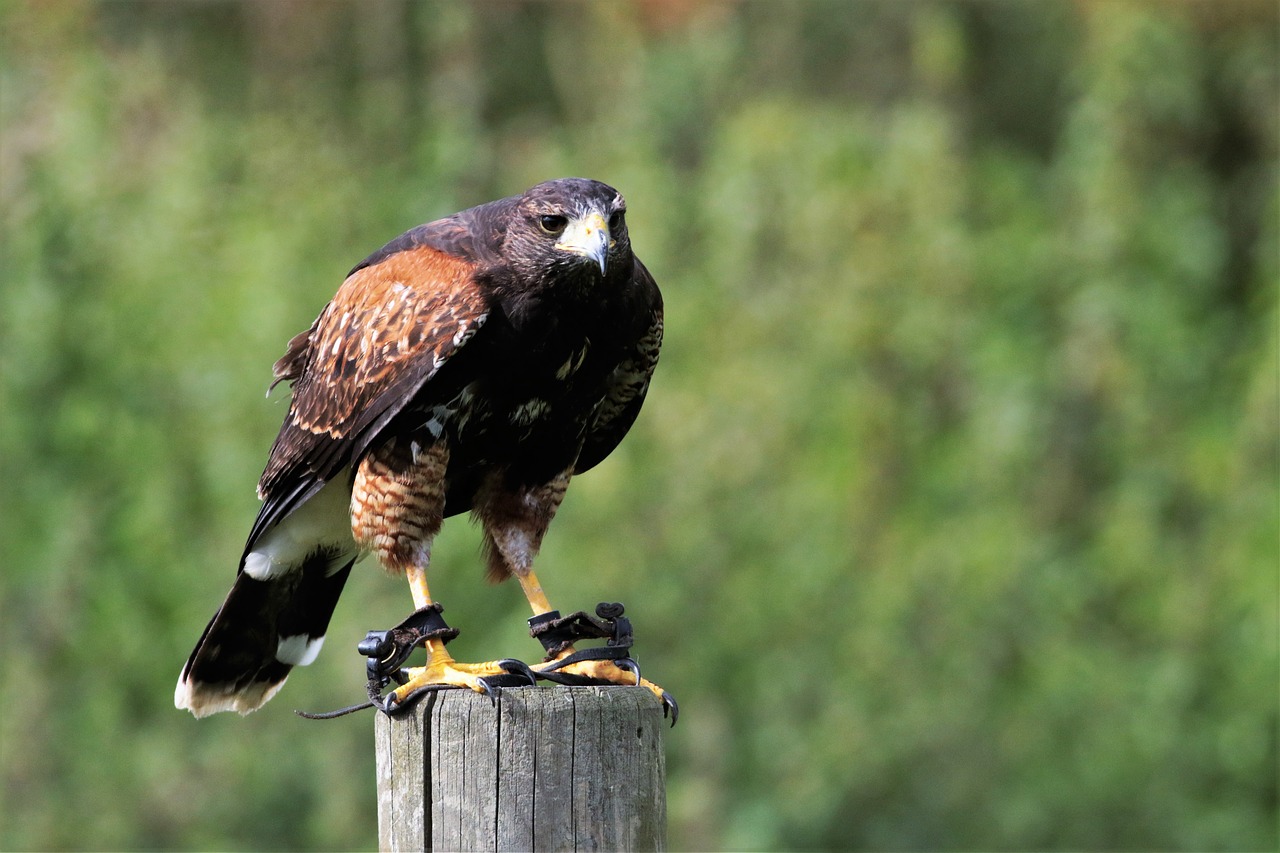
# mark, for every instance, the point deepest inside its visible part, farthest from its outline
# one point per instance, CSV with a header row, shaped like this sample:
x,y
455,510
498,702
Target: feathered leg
x,y
397,508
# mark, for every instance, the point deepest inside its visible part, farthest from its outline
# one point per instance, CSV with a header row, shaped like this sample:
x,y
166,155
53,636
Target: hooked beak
x,y
587,236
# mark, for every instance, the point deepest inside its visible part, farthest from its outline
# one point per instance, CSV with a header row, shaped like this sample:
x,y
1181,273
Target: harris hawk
x,y
475,363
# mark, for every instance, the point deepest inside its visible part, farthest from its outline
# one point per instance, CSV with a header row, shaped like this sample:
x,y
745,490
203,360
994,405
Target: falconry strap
x,y
558,633
386,650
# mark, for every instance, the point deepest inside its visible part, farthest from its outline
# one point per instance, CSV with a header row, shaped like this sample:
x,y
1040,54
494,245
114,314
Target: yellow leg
x,y
417,576
533,591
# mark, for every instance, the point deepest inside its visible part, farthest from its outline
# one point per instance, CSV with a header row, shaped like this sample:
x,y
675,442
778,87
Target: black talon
x,y
629,665
669,704
518,669
387,704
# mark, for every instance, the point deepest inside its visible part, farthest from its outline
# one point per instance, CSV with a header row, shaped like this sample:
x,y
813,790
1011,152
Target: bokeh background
x,y
951,519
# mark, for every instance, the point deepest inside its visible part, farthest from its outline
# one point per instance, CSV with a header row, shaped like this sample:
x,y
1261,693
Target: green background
x,y
951,519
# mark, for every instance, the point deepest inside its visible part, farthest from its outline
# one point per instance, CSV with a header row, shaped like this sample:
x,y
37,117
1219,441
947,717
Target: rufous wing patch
x,y
385,333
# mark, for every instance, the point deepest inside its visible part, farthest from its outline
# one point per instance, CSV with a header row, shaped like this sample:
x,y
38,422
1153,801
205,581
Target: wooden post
x,y
551,768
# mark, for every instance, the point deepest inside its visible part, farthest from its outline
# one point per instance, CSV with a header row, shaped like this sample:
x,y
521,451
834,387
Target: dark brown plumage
x,y
474,363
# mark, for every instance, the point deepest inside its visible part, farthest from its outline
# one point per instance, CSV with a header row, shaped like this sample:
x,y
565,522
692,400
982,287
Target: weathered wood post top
x,y
550,768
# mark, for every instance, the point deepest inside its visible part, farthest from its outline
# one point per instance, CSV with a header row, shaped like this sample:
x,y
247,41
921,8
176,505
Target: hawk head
x,y
572,229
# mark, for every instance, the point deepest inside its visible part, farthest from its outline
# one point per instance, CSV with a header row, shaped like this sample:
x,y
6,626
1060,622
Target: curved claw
x,y
629,665
516,673
520,668
388,705
669,704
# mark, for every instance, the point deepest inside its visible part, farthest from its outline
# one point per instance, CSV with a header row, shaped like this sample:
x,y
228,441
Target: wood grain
x,y
550,768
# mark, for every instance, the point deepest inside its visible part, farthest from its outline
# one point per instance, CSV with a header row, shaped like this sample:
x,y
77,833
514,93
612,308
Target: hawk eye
x,y
615,221
553,224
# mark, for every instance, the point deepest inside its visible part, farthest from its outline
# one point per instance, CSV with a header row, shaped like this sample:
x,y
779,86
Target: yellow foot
x,y
442,672
623,671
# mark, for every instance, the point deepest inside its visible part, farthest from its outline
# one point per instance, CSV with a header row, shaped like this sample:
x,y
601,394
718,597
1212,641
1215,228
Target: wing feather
x,y
386,332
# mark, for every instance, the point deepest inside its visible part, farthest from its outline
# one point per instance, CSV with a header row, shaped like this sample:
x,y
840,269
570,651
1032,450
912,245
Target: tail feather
x,y
263,629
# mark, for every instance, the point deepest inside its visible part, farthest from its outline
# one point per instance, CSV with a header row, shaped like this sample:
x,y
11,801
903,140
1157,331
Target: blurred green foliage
x,y
952,516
